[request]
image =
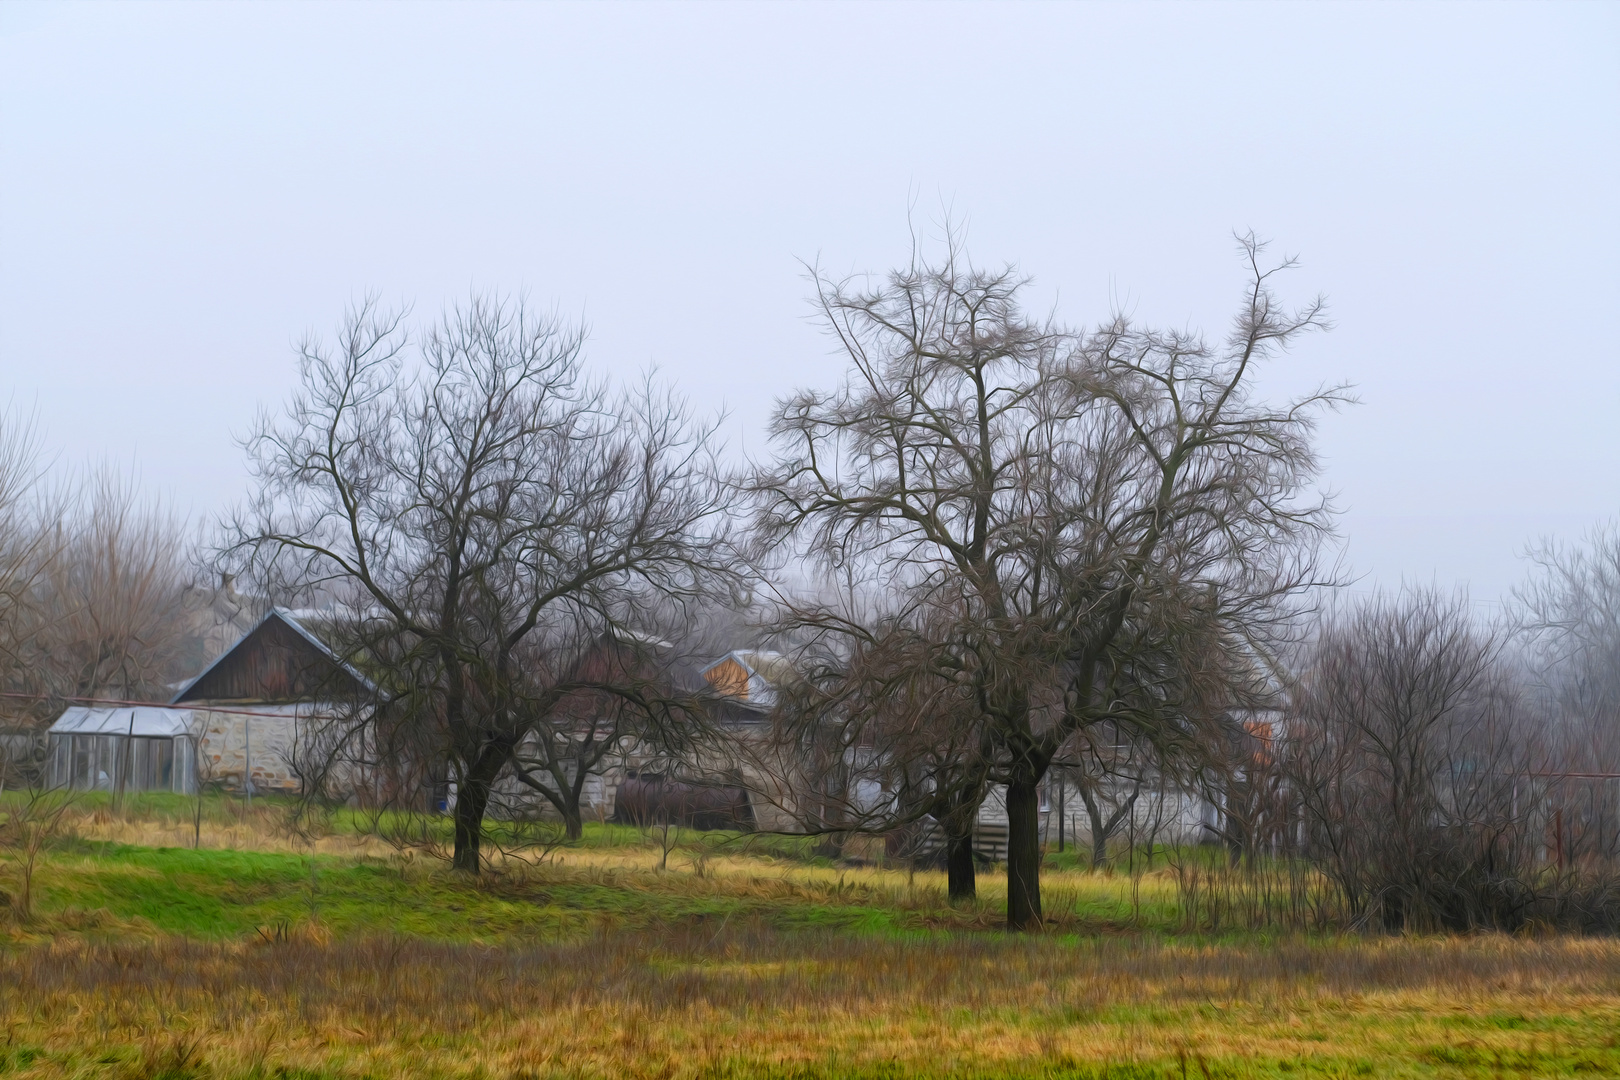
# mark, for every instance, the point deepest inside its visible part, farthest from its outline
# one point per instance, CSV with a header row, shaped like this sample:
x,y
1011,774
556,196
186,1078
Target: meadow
x,y
261,952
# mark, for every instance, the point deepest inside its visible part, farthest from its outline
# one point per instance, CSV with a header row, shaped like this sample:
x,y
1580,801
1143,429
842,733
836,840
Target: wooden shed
x,y
258,703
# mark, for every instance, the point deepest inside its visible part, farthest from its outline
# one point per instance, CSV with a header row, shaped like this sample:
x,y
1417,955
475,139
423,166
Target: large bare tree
x,y
1110,520
488,512
625,693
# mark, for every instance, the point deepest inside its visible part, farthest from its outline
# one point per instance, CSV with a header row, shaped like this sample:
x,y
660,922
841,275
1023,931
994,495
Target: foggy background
x,y
186,190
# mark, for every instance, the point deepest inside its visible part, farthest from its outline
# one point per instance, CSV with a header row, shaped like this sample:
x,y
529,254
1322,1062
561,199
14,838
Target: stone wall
x,y
227,739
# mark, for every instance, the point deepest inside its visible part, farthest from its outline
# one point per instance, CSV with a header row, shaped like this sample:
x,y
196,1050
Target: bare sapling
x,y
29,822
1407,751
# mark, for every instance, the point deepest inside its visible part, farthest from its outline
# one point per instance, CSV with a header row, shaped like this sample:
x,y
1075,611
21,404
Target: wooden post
x,y
1063,814
247,758
125,763
1558,835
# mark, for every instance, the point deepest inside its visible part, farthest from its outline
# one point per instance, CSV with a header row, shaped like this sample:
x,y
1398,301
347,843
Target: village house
x,y
239,724
752,681
244,720
635,780
729,781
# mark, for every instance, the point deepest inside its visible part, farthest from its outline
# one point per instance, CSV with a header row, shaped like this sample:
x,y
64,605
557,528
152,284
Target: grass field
x,y
263,954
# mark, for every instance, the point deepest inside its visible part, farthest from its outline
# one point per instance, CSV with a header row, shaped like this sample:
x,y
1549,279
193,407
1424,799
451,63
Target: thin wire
x,y
149,705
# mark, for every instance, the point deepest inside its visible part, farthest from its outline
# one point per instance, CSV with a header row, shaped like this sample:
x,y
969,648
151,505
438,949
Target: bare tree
x,y
1109,777
625,693
487,511
28,826
28,546
91,583
1406,752
881,735
1570,619
1113,520
116,626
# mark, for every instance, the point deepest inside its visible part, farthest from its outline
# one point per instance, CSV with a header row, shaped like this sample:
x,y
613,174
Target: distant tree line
x,y
93,582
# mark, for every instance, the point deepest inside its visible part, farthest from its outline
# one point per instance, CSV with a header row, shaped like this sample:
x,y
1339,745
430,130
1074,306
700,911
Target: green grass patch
x,y
213,894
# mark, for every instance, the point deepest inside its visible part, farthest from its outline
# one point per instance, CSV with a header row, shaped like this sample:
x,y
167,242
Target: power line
x,y
119,703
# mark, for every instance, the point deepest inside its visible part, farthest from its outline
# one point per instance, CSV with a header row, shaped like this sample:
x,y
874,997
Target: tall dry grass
x,y
1289,895
227,824
707,1000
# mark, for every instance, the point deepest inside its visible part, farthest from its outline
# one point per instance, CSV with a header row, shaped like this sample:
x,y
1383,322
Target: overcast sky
x,y
186,190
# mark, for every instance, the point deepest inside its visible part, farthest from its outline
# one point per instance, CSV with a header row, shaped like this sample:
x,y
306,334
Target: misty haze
x,y
809,541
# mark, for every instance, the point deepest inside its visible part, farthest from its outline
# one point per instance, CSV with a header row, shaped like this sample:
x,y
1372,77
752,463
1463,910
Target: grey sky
x,y
184,190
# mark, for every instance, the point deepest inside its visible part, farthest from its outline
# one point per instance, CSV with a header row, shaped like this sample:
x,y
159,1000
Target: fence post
x,y
1063,811
247,758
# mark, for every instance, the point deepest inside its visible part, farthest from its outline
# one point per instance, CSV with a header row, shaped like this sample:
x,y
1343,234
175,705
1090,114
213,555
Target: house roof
x,y
140,720
764,674
277,660
772,667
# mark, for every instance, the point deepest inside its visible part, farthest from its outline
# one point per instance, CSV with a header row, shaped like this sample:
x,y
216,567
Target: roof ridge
x,y
286,619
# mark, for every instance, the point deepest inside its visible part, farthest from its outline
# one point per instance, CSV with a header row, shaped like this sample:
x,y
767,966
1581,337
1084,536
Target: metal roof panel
x,y
150,721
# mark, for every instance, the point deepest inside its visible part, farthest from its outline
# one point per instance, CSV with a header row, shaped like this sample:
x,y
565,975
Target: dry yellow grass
x,y
741,1001
1073,898
264,828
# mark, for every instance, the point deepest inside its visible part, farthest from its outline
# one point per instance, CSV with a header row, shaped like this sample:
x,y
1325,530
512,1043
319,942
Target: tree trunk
x,y
957,814
573,821
1394,911
1099,831
1023,854
472,799
959,873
